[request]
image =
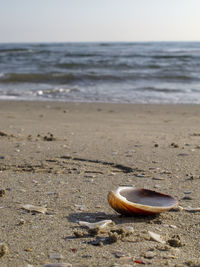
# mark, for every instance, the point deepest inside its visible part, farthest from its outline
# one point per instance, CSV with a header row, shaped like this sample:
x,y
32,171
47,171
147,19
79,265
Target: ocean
x,y
135,72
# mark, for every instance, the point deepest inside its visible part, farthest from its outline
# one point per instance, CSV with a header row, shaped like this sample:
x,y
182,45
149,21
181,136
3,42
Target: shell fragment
x,y
99,225
192,209
156,237
38,209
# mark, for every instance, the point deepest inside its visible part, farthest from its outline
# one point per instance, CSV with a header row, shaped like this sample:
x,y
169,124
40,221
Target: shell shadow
x,y
116,218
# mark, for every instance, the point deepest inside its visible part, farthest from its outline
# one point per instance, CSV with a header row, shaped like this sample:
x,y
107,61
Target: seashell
x,y
33,208
99,225
130,201
156,237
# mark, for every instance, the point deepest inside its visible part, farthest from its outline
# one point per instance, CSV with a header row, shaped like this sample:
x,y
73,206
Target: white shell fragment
x,y
58,265
99,225
156,237
192,209
55,256
38,209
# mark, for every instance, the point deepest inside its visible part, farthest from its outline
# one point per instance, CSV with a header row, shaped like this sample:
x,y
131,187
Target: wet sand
x,y
67,156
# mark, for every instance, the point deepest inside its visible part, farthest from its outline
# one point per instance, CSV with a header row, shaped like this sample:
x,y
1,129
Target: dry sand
x,y
67,156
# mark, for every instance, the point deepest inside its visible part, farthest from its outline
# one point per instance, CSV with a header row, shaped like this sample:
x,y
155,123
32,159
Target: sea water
x,y
136,72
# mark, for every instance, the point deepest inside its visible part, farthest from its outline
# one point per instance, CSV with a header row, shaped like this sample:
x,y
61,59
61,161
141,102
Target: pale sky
x,y
99,20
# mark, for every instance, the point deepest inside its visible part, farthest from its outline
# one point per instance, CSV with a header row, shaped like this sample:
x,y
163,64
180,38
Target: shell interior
x,y
146,197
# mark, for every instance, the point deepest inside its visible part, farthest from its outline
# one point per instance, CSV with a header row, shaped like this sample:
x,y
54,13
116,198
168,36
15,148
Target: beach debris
x,y
162,247
195,134
138,261
21,222
128,230
129,201
157,178
3,250
97,225
183,154
149,254
55,256
79,234
28,249
174,145
192,209
33,208
74,250
173,226
187,192
175,241
2,192
156,237
122,231
192,263
57,265
3,133
113,237
48,137
99,241
119,254
80,207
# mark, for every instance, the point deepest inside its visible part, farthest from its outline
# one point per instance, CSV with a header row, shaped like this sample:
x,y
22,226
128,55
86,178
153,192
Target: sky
x,y
99,20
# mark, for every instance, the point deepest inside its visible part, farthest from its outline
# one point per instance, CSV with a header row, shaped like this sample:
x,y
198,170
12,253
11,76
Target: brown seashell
x,y
130,201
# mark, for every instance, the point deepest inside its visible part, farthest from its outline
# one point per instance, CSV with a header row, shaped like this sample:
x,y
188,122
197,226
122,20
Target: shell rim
x,y
141,206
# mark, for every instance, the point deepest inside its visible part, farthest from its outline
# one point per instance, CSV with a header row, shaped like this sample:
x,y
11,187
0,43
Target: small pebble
x,y
149,255
157,178
28,249
119,254
55,256
3,250
175,241
173,226
2,192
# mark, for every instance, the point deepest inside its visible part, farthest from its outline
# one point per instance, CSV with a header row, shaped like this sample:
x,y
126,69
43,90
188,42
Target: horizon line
x,y
147,41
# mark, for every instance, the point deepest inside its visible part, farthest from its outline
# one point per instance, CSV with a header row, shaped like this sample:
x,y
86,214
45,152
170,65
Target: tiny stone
x,y
169,256
149,255
28,249
55,256
173,226
119,254
163,248
79,234
113,237
21,222
2,192
175,241
3,250
157,178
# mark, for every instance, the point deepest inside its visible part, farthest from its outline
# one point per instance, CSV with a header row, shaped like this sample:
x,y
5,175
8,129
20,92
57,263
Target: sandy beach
x,y
66,157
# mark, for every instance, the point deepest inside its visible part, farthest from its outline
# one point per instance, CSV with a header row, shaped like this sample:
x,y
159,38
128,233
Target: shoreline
x,y
64,156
